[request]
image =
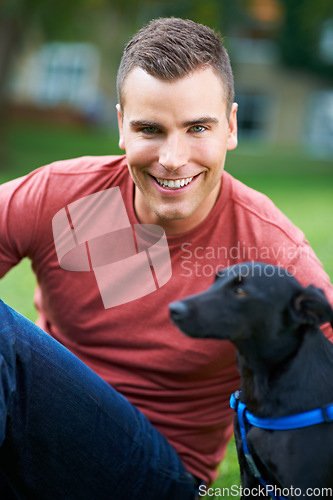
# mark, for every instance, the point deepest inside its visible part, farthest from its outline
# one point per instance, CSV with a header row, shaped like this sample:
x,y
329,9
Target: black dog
x,y
286,367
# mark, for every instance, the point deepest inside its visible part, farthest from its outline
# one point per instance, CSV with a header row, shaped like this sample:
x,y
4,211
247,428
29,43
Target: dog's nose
x,y
178,310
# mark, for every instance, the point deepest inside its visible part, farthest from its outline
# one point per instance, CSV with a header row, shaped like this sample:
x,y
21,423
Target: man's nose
x,y
174,152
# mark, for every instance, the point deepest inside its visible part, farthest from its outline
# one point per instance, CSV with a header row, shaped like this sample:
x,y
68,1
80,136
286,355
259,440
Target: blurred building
x,y
62,80
277,103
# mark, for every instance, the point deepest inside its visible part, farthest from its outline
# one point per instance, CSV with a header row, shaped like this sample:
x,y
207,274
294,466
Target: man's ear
x,y
232,140
120,127
310,306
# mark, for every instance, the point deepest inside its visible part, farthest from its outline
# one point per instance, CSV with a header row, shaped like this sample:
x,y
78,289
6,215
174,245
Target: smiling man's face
x,y
176,135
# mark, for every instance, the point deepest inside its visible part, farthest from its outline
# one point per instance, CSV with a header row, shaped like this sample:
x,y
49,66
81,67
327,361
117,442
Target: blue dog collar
x,y
297,421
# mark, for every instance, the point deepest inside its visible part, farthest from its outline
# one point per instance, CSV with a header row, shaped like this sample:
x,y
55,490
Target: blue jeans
x,y
65,434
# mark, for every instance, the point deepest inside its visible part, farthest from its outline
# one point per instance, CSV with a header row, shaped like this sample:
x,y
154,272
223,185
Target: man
x,y
92,228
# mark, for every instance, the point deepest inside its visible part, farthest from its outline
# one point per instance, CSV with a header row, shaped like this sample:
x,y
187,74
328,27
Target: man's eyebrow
x,y
203,120
144,123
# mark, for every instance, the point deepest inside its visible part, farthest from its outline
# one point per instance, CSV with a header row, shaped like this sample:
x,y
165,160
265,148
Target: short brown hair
x,y
171,48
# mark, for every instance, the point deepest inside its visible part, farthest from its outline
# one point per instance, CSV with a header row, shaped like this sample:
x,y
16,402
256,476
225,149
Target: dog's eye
x,y
240,292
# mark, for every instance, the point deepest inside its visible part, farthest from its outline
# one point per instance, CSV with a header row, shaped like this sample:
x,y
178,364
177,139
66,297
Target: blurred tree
x,y
298,26
301,35
16,19
109,23
61,19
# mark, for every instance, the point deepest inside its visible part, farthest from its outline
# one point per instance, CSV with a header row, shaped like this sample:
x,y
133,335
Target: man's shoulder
x,y
260,212
69,180
87,164
249,198
49,188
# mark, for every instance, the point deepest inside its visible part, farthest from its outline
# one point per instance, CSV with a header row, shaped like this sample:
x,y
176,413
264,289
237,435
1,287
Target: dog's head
x,y
256,306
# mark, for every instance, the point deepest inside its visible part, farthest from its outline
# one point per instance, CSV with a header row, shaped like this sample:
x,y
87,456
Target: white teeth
x,y
174,184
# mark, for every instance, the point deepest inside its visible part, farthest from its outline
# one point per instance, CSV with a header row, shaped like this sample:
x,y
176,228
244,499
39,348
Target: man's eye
x,y
150,130
198,128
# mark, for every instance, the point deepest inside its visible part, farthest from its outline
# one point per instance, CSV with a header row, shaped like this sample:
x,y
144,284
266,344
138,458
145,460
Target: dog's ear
x,y
310,306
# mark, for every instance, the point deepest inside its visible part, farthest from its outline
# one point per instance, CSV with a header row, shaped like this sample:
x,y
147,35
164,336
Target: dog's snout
x,y
178,310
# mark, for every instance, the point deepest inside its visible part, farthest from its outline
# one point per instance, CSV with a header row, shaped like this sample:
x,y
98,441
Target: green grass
x,y
300,185
31,146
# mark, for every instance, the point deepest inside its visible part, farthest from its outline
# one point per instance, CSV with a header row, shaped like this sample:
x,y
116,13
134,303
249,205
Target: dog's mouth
x,y
186,319
181,316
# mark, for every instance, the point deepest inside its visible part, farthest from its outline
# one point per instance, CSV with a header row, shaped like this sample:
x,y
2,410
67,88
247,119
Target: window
x,y
252,114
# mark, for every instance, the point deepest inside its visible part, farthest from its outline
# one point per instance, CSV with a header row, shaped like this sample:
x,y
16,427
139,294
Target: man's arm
x,y
20,202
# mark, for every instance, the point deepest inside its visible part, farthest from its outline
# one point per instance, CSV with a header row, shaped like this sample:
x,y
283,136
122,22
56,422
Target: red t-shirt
x,y
182,385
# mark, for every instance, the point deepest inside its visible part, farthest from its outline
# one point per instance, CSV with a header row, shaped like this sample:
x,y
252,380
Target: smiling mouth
x,y
174,184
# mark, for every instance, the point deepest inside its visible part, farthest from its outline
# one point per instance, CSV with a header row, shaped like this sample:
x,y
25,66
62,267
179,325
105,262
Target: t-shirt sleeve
x,y
21,204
